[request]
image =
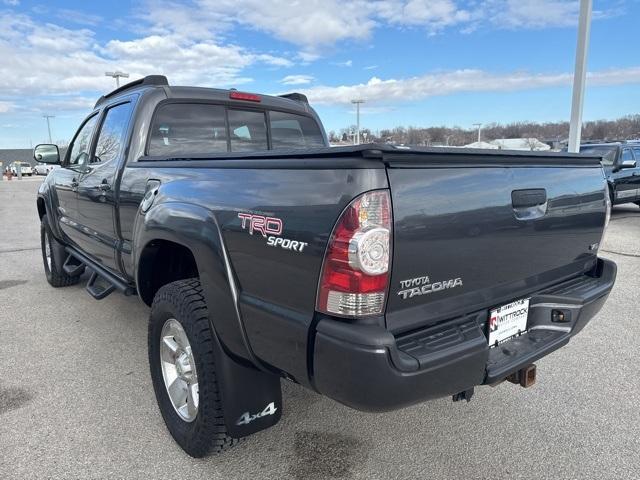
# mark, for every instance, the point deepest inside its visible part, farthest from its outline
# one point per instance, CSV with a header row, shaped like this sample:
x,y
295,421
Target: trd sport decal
x,y
271,229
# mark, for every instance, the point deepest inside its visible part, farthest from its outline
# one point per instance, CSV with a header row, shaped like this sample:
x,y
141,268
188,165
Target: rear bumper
x,y
367,368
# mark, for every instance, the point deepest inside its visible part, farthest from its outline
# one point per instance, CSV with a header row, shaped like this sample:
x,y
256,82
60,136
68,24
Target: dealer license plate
x,y
507,321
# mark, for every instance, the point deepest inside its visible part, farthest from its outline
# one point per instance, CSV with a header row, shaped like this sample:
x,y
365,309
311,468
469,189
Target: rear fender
x,y
196,228
246,386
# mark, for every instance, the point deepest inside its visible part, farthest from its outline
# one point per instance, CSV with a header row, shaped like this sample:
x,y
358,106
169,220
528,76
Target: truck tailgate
x,y
470,237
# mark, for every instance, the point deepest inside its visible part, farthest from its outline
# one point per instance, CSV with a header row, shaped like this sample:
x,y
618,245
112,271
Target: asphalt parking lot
x,y
76,399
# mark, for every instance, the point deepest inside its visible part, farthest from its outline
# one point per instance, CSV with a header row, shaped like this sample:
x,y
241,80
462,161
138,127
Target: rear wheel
x,y
53,256
183,370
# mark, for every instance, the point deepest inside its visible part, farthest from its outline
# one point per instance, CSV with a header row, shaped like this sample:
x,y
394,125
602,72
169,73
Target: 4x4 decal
x,y
246,418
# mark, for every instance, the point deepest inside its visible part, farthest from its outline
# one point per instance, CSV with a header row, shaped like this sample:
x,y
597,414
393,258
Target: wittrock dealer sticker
x,y
508,320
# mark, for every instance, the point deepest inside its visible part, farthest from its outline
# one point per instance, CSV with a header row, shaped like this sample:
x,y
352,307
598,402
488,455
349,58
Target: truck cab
x,y
621,164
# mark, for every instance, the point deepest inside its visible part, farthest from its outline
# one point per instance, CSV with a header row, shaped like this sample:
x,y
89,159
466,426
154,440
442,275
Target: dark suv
x,y
620,162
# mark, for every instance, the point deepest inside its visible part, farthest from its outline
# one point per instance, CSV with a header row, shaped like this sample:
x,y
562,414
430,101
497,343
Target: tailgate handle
x,y
531,197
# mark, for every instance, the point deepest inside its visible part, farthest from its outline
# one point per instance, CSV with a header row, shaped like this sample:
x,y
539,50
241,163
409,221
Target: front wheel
x,y
183,370
53,256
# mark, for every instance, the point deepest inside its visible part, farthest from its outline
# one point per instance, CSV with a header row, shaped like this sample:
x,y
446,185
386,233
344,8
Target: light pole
x,y
357,103
579,76
117,74
47,117
479,125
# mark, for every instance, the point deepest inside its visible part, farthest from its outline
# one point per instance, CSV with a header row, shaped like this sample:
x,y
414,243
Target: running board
x,y
102,282
98,288
72,266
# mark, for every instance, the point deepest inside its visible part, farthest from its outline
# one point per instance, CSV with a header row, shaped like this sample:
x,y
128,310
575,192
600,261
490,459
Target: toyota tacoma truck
x,y
379,277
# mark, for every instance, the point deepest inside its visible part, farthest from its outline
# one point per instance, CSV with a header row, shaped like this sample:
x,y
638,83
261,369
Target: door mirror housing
x,y
627,164
47,153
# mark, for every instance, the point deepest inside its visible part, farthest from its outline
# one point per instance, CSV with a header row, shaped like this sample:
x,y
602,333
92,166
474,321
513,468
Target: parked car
x,y
43,168
23,166
377,276
621,163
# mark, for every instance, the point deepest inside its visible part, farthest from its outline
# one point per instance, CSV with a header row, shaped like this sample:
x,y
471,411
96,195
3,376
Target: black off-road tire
x,y
183,301
56,276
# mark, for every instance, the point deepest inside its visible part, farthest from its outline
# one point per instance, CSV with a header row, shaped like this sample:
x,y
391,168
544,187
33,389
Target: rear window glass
x,y
608,154
248,130
290,131
184,129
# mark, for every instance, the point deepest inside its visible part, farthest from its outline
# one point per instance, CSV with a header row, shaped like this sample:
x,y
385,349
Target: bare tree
x,y
624,128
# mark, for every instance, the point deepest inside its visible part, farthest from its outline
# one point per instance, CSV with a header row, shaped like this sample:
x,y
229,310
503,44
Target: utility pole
x,y
479,126
117,74
357,103
579,76
47,117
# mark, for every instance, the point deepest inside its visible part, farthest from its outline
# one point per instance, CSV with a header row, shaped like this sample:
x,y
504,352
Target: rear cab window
x,y
294,131
183,129
248,130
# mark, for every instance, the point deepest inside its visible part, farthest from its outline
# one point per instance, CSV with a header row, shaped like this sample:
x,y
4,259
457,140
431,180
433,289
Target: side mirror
x,y
46,153
627,164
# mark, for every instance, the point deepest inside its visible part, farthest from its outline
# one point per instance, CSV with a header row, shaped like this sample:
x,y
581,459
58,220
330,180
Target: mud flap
x,y
251,399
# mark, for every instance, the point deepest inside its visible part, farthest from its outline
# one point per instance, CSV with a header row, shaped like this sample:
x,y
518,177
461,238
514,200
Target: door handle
x,y
74,183
531,197
104,186
529,204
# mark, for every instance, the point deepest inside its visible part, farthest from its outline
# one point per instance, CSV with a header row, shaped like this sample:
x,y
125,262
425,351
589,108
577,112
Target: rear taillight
x,y
355,272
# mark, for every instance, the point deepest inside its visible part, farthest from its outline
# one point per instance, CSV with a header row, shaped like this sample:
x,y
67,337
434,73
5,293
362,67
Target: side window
x,y
112,133
294,131
636,152
248,131
81,145
188,128
626,155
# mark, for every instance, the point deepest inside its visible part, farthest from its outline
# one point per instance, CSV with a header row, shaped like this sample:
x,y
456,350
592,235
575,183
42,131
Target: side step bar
x,y
102,282
72,266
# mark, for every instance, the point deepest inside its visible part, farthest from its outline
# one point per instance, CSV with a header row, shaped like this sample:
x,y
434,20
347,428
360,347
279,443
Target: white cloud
x,y
6,107
433,14
11,3
421,87
533,13
41,60
81,18
308,57
346,63
370,67
64,104
309,23
316,25
297,80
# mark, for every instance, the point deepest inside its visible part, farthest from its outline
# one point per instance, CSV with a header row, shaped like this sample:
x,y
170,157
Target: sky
x,y
414,62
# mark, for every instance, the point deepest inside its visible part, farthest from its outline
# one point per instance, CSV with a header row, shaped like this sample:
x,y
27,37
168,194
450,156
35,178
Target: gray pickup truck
x,y
379,277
